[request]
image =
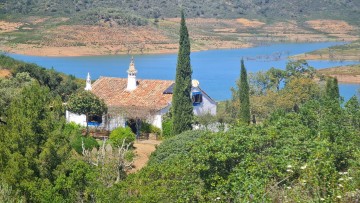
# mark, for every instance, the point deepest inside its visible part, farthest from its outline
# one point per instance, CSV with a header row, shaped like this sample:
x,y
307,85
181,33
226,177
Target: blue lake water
x,y
217,70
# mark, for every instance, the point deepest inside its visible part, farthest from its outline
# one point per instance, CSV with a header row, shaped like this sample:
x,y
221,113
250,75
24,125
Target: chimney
x,y
131,85
88,83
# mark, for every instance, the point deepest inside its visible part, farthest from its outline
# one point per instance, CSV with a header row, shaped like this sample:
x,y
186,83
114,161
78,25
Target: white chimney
x,y
88,83
131,85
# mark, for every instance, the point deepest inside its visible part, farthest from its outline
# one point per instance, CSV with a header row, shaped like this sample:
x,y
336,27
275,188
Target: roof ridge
x,y
104,77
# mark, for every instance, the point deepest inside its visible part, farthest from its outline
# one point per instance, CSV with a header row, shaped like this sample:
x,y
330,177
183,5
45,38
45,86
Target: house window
x,y
94,120
196,98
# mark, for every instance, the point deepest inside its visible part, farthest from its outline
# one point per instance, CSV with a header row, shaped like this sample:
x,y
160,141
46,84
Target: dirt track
x,y
143,150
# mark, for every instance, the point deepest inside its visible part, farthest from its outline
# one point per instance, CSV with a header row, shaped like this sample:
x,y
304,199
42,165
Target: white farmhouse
x,y
131,98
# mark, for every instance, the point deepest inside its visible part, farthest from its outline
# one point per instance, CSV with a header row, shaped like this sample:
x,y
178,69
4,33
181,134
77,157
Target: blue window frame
x,y
196,98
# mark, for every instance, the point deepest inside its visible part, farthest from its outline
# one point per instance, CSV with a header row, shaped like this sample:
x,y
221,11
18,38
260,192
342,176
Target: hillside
x,y
269,9
96,27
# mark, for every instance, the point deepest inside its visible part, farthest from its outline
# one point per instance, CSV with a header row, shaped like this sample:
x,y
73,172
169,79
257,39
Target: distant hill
x,y
348,10
103,27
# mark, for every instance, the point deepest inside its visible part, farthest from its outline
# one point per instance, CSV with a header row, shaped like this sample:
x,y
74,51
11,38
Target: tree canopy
x,y
85,102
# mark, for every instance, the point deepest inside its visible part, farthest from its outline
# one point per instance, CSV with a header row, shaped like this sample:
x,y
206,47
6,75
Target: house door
x,y
135,125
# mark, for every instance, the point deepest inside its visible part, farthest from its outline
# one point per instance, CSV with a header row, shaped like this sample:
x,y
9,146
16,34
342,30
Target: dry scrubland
x,y
344,74
56,37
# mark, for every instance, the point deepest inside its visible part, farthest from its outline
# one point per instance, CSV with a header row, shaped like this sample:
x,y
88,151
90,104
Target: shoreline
x,y
86,51
344,79
344,74
310,57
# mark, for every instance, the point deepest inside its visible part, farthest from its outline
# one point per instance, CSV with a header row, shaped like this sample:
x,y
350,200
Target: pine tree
x,y
181,102
244,112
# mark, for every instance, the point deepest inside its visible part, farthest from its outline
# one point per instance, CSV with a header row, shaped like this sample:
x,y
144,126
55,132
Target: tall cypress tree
x,y
181,102
332,89
244,113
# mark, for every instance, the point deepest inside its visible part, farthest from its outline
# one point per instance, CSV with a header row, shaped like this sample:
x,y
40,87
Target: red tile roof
x,y
147,95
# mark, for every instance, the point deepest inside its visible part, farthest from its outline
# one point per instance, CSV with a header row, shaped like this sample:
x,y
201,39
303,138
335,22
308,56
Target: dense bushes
x,y
167,126
148,128
175,146
58,83
118,135
292,156
89,143
76,139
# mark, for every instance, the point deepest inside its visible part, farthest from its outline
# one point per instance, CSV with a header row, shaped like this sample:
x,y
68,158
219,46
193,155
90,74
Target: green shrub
x,y
148,128
89,143
119,134
167,126
177,145
71,128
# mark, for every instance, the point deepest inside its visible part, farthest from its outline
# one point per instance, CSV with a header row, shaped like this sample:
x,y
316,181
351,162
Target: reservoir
x,y
216,70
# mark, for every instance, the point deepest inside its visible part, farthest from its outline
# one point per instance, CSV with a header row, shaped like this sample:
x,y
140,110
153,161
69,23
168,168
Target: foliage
x,y
175,146
58,83
32,143
277,89
205,120
352,109
181,102
311,9
290,157
76,182
149,128
244,113
299,68
9,89
332,89
118,135
8,195
89,143
167,127
111,15
85,102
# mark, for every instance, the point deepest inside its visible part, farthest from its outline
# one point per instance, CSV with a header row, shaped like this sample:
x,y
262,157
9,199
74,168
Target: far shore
x,y
85,51
346,79
344,74
307,56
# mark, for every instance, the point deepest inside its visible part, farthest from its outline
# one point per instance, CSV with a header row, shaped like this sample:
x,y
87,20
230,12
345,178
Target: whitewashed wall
x,y
207,105
156,120
76,118
113,122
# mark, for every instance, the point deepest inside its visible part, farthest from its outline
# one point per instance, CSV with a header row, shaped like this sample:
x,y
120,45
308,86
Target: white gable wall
x,y
207,105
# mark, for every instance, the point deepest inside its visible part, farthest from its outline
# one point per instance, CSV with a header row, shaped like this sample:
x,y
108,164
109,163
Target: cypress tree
x,y
244,112
332,89
181,102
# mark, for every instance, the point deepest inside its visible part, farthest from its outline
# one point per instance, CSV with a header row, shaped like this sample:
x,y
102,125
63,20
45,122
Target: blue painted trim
x,y
96,124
